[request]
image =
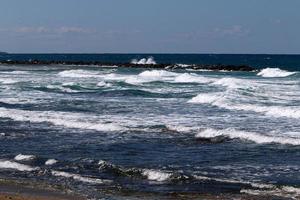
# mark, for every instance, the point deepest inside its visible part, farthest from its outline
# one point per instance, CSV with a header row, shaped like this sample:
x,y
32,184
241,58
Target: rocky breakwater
x,y
214,67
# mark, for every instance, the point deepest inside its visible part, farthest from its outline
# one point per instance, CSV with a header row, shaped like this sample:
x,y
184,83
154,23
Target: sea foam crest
x,y
250,136
155,175
6,164
79,178
223,101
22,157
157,73
144,61
208,98
191,78
51,162
78,74
69,120
274,72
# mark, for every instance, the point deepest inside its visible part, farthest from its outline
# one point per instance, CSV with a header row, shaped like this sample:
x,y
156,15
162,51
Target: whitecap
x,y
223,101
144,61
156,175
274,72
51,162
79,74
69,120
191,78
208,98
103,84
6,164
157,73
250,136
79,178
22,157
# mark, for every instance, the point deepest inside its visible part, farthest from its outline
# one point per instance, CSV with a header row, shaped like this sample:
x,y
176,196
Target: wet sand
x,y
10,190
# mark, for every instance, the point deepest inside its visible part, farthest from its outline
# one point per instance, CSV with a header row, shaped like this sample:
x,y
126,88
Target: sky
x,y
150,26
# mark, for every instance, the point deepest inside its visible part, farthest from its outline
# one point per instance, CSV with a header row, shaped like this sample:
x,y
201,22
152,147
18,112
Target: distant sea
x,y
127,133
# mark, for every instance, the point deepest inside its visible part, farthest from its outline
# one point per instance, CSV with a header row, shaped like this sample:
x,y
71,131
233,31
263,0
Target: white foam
x,y
70,120
181,129
256,185
144,61
183,65
103,84
6,164
16,72
284,191
22,157
208,98
51,162
8,81
157,73
79,178
274,72
155,175
250,136
223,101
79,74
232,83
191,78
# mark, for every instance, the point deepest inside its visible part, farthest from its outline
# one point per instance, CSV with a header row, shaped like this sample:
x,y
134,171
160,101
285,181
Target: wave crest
x,y
144,61
274,72
254,137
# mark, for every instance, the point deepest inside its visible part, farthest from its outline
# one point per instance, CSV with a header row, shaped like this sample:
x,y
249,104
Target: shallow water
x,y
151,131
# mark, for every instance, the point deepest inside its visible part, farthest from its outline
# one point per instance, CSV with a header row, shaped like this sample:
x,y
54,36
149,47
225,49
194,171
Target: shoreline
x,y
214,67
14,190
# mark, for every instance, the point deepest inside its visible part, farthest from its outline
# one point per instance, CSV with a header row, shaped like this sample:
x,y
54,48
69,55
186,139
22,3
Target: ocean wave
x,y
21,157
208,98
157,73
79,74
144,61
16,72
284,191
274,72
69,120
6,164
223,101
250,136
103,84
156,175
233,83
8,81
80,178
51,162
149,174
191,78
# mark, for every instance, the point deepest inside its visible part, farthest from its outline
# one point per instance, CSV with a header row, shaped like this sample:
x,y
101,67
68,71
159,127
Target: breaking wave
x,y
80,178
22,157
274,72
254,137
144,61
51,162
79,74
6,164
222,101
69,120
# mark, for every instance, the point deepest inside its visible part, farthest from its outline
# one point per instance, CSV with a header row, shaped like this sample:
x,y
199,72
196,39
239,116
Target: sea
x,y
122,133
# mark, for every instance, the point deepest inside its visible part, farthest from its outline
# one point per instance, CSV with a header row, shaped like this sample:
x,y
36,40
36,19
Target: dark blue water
x,y
114,132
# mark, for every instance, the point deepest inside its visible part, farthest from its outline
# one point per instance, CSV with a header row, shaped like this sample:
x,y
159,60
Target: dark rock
x,y
214,67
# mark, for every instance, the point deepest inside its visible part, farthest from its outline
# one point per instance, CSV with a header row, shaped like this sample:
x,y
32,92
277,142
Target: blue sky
x,y
153,26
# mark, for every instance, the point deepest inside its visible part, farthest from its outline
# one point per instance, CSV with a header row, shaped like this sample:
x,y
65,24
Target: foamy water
x,y
158,130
